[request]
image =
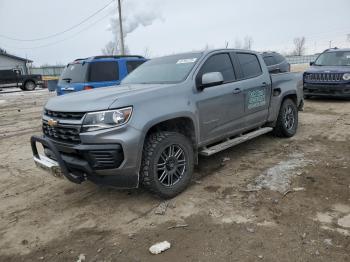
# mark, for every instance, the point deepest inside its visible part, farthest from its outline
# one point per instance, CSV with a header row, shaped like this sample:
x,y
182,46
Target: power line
x,y
61,32
64,39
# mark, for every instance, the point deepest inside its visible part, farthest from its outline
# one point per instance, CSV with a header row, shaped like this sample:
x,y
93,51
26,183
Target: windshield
x,y
336,58
169,69
74,73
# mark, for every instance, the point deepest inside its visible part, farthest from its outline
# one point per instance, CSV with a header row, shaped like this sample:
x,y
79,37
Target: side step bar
x,y
208,151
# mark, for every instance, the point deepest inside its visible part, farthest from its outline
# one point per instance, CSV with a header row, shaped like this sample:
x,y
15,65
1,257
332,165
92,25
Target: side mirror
x,y
211,79
312,63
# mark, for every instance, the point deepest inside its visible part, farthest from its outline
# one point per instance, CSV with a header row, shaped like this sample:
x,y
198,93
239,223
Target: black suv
x,y
275,62
329,75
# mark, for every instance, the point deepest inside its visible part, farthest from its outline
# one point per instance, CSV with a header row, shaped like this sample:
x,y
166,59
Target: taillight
x,y
88,87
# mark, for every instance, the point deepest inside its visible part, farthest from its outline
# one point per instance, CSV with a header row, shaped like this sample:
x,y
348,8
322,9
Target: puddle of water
x,y
278,177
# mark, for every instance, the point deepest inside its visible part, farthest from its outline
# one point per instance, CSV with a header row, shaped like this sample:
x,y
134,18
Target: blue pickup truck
x,y
95,72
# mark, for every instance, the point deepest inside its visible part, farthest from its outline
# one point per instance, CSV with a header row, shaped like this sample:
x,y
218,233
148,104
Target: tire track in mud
x,y
21,133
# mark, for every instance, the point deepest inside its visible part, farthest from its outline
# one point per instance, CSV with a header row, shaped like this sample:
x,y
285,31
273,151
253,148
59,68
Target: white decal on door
x,y
256,98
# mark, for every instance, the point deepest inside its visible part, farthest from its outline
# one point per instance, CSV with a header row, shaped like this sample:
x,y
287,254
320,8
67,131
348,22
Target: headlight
x,y
346,76
106,119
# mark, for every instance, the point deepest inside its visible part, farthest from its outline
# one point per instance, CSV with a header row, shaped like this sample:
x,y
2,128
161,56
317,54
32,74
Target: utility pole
x,y
121,28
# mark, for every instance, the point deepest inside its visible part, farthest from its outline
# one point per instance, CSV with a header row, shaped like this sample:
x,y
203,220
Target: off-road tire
x,y
29,85
155,145
282,129
307,96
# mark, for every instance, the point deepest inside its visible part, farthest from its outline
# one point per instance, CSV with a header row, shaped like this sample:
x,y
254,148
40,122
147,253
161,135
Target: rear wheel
x,y
29,86
287,121
167,163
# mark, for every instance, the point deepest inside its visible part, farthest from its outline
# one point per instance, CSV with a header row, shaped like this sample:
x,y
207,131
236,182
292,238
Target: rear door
x,y
256,87
221,107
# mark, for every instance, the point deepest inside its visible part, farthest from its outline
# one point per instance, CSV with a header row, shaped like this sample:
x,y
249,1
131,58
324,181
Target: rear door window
x,y
103,71
250,65
218,63
74,73
132,65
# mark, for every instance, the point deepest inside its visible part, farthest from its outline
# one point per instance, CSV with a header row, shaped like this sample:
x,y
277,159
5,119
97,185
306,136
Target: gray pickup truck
x,y
150,130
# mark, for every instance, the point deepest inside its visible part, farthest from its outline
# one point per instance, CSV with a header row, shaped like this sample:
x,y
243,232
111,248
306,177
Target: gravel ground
x,y
269,199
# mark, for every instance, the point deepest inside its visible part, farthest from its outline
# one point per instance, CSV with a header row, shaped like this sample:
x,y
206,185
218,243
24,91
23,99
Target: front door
x,y
220,107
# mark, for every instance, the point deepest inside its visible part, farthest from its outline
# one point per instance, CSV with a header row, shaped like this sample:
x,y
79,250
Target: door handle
x,y
237,91
264,84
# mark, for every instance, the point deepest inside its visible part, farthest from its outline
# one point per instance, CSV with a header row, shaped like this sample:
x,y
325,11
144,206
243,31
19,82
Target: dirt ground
x,y
269,199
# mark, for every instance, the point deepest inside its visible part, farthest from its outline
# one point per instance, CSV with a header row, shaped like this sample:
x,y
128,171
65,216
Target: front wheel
x,y
167,163
287,121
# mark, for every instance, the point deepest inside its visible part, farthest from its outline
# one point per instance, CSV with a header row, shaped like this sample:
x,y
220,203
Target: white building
x,y
8,61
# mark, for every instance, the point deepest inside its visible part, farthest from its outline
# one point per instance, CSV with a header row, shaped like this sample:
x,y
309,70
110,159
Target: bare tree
x,y
147,52
113,48
299,46
238,44
2,51
248,43
110,49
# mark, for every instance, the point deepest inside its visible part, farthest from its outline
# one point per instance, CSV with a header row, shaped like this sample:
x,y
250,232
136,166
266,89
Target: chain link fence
x,y
47,70
304,59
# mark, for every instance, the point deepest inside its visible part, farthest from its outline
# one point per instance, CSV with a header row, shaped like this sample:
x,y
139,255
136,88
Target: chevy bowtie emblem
x,y
52,122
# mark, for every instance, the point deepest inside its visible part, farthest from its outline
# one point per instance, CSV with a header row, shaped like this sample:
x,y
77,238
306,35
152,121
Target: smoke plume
x,y
134,15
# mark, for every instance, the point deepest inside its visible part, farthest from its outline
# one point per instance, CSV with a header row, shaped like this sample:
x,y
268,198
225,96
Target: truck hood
x,y
100,98
328,69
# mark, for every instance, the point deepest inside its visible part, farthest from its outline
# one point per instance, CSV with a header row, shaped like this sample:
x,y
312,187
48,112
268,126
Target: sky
x,y
161,27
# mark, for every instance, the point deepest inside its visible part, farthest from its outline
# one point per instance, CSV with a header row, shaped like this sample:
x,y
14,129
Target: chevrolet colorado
x,y
151,129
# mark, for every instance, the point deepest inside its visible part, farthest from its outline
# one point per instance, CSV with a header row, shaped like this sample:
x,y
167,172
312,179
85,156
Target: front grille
x,y
64,115
324,77
63,133
105,159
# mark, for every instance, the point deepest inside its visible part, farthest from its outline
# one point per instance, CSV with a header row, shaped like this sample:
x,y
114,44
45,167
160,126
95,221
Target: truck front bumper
x,y
327,90
99,163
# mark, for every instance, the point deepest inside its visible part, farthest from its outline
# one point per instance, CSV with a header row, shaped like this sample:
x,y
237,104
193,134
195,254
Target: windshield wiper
x,y
67,79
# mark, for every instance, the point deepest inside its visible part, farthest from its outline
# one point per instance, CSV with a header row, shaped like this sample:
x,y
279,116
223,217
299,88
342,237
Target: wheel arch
x,y
183,124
